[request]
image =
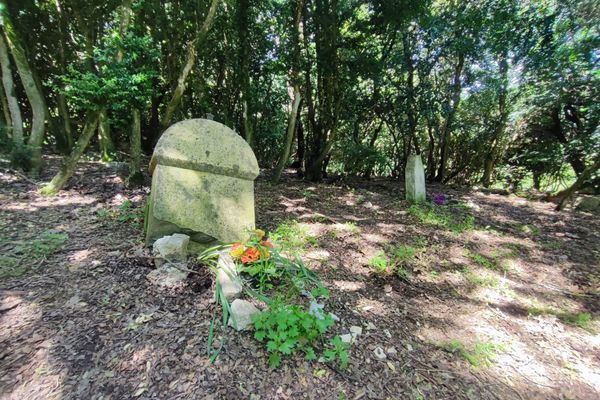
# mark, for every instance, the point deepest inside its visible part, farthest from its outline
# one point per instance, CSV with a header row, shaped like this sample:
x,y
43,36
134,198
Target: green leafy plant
x,y
289,328
127,212
338,350
379,263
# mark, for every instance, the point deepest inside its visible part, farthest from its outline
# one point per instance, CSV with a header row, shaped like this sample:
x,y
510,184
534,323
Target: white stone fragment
x,y
227,277
241,314
356,331
379,353
170,248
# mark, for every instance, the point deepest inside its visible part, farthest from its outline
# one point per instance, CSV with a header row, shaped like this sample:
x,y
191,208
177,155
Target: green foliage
x,y
452,217
20,156
48,243
127,212
582,320
482,354
292,237
15,262
482,260
338,350
379,262
286,329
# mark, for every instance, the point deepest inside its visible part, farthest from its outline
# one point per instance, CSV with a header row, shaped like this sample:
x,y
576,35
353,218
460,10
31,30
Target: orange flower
x,y
250,255
237,249
266,244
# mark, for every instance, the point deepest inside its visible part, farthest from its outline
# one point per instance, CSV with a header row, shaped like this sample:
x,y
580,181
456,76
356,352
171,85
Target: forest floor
x,y
489,297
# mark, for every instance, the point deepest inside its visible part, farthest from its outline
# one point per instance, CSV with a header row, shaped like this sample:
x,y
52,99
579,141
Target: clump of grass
x,y
379,263
582,320
403,253
46,244
452,217
399,256
482,354
476,279
529,229
482,260
293,237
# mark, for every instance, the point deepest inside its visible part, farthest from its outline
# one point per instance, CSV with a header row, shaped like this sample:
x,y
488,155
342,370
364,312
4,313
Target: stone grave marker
x,y
414,179
202,185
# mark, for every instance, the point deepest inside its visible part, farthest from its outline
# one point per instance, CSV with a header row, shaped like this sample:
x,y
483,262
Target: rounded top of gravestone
x,y
207,146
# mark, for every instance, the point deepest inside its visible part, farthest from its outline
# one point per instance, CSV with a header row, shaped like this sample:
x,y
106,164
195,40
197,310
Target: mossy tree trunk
x,y
104,139
69,163
16,120
33,92
136,177
190,60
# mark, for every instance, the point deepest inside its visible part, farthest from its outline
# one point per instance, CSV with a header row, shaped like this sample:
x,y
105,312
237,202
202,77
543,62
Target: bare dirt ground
x,y
506,309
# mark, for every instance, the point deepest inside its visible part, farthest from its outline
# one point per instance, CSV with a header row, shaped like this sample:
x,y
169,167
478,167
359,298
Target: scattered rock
x,y
379,353
356,331
588,203
168,276
371,326
347,338
387,288
171,248
242,312
563,258
387,333
391,351
227,277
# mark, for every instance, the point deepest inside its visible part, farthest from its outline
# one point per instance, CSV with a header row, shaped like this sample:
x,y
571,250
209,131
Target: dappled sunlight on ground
x,y
516,284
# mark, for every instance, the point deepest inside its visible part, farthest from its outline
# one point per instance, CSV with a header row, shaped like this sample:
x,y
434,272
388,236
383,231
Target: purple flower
x,y
440,199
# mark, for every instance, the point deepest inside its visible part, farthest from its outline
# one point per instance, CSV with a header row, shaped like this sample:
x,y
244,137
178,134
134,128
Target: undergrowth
x,y
450,217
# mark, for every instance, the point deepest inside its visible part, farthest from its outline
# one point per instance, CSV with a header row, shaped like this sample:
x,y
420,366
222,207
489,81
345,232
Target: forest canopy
x,y
491,92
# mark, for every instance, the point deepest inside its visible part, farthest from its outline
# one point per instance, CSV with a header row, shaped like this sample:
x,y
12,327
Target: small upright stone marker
x,y
414,179
202,184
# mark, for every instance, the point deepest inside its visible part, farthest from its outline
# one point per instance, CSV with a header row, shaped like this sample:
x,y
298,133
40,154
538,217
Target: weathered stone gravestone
x,y
202,184
414,179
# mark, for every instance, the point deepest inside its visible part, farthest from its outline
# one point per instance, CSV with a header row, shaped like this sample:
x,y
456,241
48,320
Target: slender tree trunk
x,y
447,126
136,177
6,120
585,175
175,100
105,142
16,120
492,154
295,86
289,138
63,109
300,144
67,168
36,99
243,22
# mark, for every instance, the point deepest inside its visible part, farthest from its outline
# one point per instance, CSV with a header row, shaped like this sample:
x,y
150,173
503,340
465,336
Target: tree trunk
x,y
295,86
16,120
243,21
587,172
105,142
492,154
136,177
289,138
63,110
67,168
447,126
175,100
36,98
